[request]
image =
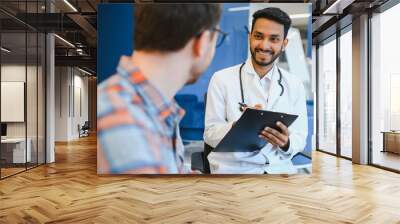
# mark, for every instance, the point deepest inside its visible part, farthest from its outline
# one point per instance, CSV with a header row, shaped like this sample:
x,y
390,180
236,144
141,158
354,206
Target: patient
x,y
137,116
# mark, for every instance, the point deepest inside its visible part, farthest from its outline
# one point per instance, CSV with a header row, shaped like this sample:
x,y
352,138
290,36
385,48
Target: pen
x,y
242,106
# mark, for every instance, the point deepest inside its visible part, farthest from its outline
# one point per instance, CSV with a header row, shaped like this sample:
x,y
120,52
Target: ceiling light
x,y
299,16
5,50
237,9
331,7
338,6
70,5
65,41
84,71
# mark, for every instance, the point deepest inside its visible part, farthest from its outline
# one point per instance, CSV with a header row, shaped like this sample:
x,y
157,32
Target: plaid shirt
x,y
137,126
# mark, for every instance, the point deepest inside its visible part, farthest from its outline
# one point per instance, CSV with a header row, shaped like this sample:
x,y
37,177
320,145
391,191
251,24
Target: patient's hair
x,y
169,27
274,14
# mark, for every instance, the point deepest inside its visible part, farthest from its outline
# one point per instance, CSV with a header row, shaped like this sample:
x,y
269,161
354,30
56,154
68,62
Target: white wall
x,y
80,100
71,94
12,101
16,73
33,126
61,103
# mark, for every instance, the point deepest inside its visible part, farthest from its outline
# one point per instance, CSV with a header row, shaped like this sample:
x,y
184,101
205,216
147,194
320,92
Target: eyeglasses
x,y
221,37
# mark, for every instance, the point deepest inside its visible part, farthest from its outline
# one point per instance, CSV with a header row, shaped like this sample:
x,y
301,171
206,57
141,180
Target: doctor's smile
x,y
264,56
263,52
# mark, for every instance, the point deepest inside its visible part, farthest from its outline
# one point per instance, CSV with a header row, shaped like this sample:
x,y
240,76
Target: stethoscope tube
x,y
241,84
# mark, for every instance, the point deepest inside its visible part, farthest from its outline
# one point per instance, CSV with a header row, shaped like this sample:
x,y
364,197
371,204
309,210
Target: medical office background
x,y
115,37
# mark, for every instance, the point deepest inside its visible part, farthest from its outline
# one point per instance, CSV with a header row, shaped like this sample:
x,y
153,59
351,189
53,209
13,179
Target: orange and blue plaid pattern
x,y
137,125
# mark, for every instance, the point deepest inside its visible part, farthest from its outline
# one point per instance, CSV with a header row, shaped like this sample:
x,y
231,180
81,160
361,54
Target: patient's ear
x,y
200,43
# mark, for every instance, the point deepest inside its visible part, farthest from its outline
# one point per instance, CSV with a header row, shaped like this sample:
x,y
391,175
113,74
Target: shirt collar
x,y
249,69
150,95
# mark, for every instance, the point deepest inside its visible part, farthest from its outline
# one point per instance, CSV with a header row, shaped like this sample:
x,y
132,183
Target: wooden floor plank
x,y
70,191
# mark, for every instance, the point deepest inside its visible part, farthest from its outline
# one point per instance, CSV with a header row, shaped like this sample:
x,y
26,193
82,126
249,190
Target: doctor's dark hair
x,y
169,27
274,14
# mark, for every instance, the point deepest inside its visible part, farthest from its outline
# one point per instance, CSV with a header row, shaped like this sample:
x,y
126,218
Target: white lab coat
x,y
222,109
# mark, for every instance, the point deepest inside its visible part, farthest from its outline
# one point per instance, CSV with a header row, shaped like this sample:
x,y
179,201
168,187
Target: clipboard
x,y
243,136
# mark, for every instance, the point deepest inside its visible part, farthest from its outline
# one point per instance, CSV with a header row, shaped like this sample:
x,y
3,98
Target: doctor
x,y
258,83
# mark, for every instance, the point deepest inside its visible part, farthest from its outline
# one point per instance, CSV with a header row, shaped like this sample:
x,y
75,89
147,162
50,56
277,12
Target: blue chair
x,y
192,124
191,130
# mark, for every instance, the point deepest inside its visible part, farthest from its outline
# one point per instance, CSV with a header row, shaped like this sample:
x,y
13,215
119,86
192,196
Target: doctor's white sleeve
x,y
216,125
298,131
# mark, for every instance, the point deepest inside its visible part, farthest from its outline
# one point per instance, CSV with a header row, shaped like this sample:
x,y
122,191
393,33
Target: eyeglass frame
x,y
220,32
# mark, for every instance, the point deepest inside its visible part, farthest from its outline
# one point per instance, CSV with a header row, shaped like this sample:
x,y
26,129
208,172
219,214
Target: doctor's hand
x,y
245,107
275,137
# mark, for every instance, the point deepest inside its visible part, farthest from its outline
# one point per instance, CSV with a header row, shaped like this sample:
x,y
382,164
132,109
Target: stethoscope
x,y
242,104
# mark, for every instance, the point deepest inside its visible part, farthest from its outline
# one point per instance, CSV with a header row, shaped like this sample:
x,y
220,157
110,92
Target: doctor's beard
x,y
264,64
